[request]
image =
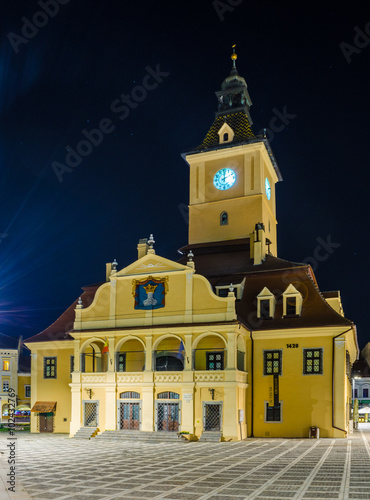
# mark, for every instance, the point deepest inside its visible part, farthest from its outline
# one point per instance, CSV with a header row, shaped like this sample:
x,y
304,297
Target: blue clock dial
x,y
267,188
224,179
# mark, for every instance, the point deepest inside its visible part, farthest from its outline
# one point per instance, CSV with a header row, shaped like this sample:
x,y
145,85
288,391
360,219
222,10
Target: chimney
x,y
258,244
142,247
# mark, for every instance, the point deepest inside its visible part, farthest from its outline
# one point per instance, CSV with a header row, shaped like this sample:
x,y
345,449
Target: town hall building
x,y
227,343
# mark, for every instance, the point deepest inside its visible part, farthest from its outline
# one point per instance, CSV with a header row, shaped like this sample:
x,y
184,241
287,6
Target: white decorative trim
x,y
126,379
89,379
150,265
209,377
168,378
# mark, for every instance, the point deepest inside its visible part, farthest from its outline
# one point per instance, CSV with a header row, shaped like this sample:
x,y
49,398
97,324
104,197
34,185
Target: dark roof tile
x,y
237,121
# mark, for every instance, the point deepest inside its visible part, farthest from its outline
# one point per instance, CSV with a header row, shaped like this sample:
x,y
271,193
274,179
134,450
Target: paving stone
x,y
57,468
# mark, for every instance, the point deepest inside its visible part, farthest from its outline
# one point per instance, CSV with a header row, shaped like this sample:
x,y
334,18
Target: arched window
x,y
168,364
226,137
224,219
129,395
168,395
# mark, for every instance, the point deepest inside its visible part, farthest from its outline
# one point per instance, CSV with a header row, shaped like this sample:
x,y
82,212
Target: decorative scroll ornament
x,y
150,293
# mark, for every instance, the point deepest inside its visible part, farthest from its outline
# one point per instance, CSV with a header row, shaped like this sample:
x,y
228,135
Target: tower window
x,y
225,134
224,219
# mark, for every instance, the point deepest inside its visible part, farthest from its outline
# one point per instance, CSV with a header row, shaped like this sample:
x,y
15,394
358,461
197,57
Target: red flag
x,y
105,347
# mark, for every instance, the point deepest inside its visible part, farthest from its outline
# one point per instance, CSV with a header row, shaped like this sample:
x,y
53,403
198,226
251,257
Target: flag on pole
x,y
180,354
105,346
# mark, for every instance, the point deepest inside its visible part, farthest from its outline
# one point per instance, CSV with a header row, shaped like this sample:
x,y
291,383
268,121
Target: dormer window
x,y
224,219
292,302
225,134
266,304
291,306
265,309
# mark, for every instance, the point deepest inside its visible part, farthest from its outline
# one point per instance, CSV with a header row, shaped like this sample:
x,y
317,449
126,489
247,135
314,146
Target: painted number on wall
x,y
292,346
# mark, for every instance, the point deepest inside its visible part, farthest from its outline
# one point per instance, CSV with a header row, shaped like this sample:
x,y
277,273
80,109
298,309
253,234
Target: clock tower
x,y
232,173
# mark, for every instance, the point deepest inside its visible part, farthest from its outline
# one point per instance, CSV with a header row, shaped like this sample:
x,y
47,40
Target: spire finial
x,y
151,244
234,56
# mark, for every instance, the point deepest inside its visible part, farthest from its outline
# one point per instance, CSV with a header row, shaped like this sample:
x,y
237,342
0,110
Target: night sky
x,y
67,75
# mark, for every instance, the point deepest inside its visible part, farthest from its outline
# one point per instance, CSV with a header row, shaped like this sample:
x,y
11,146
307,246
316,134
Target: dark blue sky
x,y
63,78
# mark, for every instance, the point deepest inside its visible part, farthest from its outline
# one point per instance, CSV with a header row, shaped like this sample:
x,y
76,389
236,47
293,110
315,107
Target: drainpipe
x,y
252,383
332,398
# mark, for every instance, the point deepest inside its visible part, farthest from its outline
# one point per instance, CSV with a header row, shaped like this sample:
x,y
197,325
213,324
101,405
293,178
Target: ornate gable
x,y
150,264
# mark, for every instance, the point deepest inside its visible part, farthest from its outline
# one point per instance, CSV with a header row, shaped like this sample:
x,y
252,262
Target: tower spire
x,y
234,96
234,57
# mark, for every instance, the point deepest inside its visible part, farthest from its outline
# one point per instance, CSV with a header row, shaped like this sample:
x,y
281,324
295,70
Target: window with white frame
x,y
5,385
292,302
266,304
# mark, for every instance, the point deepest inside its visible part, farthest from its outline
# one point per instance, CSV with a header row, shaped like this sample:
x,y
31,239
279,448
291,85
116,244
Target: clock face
x,y
224,179
267,188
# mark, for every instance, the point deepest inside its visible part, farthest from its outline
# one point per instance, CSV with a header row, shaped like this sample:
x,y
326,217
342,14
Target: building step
x,y
86,433
211,437
139,435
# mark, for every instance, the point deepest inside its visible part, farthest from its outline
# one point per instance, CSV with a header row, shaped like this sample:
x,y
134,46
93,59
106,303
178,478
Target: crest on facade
x,y
149,293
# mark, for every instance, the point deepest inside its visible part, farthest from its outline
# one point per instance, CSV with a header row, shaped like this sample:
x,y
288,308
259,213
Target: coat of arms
x,y
149,293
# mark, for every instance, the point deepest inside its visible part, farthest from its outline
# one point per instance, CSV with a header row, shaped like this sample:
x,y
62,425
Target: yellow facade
x,y
246,201
307,399
9,379
52,389
24,381
230,342
203,323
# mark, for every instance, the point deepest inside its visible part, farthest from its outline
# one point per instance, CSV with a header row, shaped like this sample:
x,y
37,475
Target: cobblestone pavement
x,y
54,467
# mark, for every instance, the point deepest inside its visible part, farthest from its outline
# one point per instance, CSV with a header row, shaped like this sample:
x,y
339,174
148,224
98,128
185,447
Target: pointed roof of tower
x,y
234,104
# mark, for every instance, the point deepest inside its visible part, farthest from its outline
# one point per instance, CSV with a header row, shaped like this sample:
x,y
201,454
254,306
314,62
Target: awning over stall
x,y
44,406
